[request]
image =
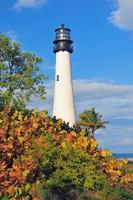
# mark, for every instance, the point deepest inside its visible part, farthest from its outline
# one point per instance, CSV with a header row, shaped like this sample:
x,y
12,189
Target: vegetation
x,y
92,121
19,75
40,158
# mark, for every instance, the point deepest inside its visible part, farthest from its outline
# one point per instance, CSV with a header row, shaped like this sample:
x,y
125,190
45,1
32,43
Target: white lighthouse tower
x,y
64,106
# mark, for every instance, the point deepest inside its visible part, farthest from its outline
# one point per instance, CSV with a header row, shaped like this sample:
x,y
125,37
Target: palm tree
x,y
92,121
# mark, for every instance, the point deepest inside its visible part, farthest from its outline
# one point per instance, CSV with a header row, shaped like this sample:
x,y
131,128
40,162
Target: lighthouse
x,y
64,105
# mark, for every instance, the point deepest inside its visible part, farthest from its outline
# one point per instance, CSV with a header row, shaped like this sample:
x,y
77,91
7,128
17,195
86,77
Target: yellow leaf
x,y
9,154
83,131
63,144
93,143
125,161
82,141
35,125
118,172
20,116
106,153
73,133
21,139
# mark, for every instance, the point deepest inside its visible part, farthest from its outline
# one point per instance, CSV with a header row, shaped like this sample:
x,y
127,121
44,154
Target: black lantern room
x,y
62,40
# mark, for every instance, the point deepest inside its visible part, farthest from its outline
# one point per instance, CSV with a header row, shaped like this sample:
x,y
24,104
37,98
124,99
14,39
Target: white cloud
x,y
114,101
122,16
117,138
127,141
28,4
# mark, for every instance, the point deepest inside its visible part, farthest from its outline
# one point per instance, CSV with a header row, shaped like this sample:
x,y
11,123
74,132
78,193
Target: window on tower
x,y
57,77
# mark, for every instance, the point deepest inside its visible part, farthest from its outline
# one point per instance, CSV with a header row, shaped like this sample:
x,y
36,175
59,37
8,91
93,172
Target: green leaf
x,y
27,187
19,191
25,173
20,75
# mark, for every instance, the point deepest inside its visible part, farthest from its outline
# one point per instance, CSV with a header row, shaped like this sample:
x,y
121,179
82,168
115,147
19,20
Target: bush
x,y
43,158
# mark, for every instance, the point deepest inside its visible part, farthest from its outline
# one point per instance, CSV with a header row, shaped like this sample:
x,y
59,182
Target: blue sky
x,y
102,62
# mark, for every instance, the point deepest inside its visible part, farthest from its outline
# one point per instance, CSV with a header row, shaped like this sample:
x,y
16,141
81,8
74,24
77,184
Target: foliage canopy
x,y
92,121
41,158
19,75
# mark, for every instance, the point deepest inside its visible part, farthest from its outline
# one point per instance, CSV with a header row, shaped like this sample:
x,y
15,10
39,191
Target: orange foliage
x,y
18,164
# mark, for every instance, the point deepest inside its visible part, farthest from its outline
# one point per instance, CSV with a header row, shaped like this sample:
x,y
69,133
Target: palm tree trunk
x,y
92,133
